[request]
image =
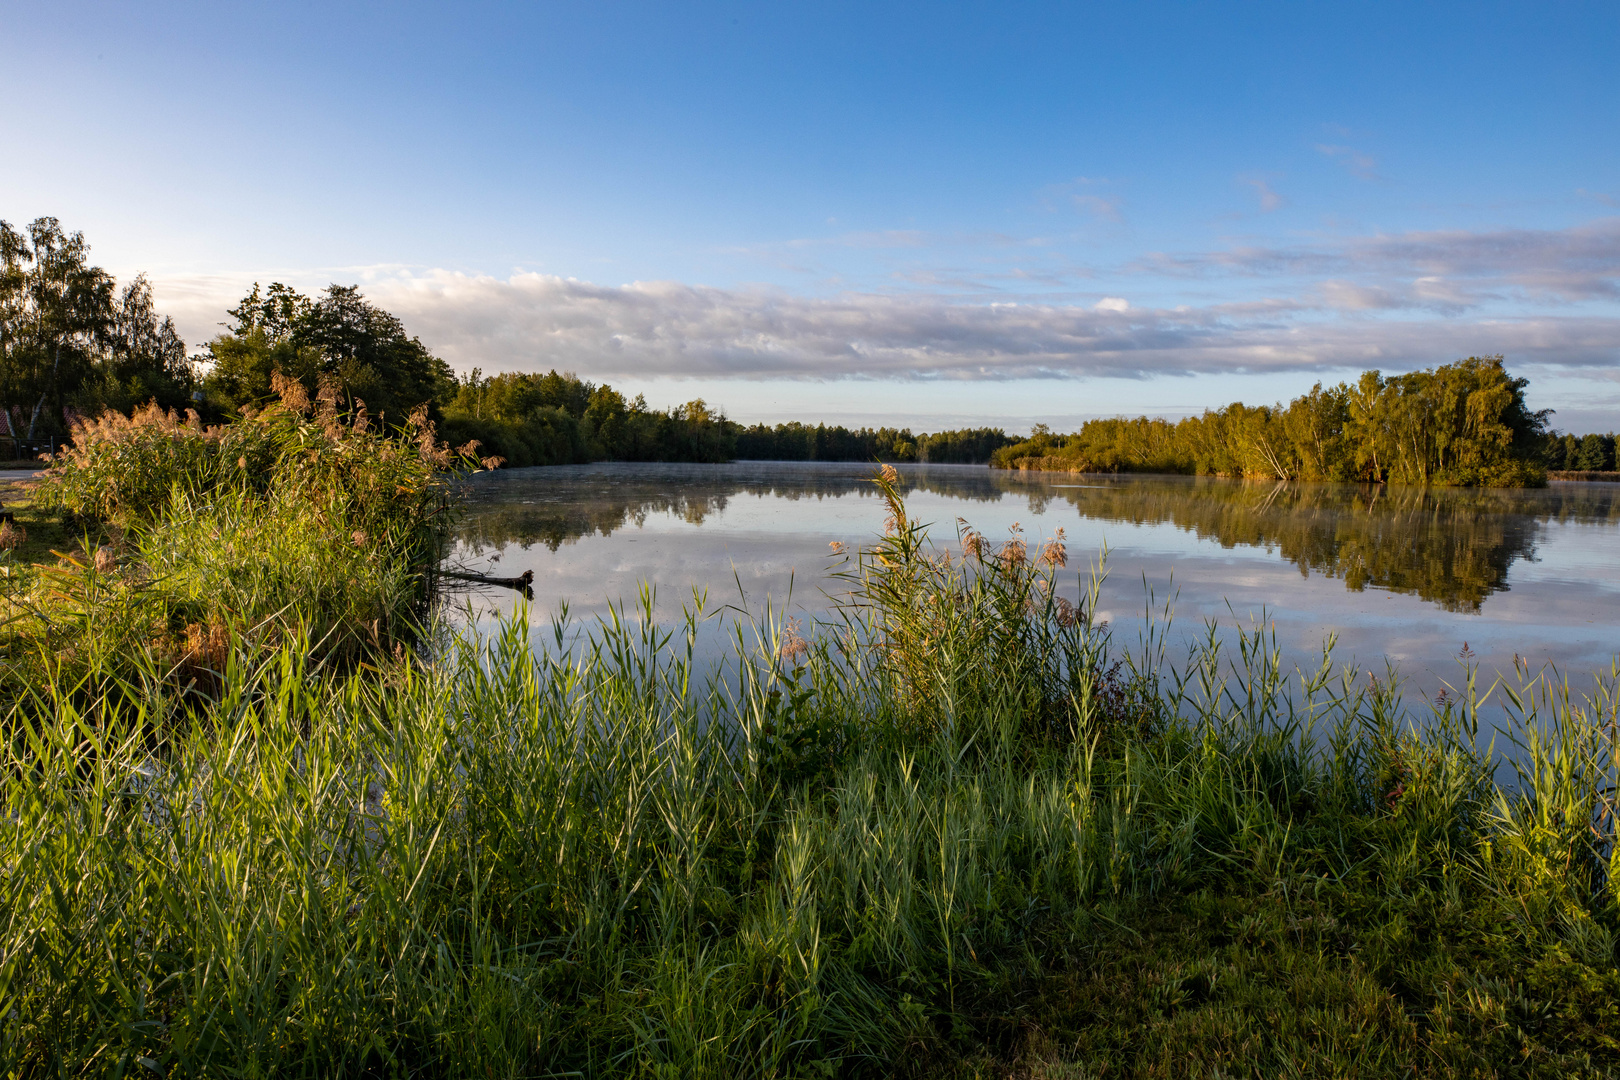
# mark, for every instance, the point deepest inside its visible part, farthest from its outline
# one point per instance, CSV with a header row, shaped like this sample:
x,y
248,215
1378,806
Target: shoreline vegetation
x,y
1589,475
258,823
158,536
1464,424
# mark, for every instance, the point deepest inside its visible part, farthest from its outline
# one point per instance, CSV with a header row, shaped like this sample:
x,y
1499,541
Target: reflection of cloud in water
x,y
1450,546
1529,573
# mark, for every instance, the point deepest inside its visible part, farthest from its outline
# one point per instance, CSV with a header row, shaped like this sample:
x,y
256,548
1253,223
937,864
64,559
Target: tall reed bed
x,y
292,519
961,830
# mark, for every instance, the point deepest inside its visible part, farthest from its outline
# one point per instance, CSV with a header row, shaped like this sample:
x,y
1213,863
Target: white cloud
x,y
1081,194
1269,199
1456,267
1103,206
1363,165
668,329
1396,301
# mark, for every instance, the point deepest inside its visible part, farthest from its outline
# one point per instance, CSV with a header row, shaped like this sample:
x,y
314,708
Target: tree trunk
x,y
56,365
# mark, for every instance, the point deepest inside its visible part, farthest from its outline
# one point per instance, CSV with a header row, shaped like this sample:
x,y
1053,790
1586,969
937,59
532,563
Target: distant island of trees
x,y
1463,424
72,344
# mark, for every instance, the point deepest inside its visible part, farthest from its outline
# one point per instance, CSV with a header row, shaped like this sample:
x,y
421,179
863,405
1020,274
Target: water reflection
x,y
1451,547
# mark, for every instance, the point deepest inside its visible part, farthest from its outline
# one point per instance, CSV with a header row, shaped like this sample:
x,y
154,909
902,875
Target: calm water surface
x,y
1400,573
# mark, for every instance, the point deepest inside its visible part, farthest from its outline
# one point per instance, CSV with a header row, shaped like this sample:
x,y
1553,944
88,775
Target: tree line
x,y
1461,424
72,344
559,418
801,442
1580,453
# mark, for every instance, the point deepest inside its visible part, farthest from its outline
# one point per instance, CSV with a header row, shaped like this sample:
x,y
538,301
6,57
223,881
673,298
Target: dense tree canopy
x,y
71,341
794,441
1463,424
558,418
339,335
1581,453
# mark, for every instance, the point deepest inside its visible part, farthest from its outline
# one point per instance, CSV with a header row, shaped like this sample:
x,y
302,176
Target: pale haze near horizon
x,y
928,215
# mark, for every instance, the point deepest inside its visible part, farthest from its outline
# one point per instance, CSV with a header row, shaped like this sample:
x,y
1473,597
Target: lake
x,y
1403,573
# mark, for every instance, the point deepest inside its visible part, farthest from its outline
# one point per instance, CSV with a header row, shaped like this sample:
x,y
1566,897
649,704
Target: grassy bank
x,y
961,831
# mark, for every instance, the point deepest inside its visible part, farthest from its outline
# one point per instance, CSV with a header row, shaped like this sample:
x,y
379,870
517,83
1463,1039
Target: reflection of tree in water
x,y
564,521
1452,546
557,506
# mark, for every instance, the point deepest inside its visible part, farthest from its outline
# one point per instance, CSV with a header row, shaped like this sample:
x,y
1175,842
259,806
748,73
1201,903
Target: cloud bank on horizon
x,y
1544,297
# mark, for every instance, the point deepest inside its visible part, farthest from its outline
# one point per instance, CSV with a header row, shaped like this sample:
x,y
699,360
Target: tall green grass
x,y
961,830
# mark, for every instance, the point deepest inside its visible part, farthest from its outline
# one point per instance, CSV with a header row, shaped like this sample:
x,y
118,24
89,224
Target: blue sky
x,y
931,214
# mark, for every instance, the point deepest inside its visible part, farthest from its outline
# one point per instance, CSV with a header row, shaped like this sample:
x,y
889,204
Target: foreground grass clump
x,y
961,832
290,520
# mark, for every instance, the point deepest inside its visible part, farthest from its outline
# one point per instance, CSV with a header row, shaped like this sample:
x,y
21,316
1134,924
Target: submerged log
x,y
521,581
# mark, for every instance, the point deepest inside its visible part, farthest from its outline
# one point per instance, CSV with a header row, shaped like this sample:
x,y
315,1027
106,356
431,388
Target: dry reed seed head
x,y
792,647
291,392
493,462
837,546
359,423
890,474
1014,553
208,645
972,545
1055,554
105,561
1067,613
326,408
11,536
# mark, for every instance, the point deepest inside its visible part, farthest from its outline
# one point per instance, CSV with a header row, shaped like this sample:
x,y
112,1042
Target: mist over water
x,y
1406,574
